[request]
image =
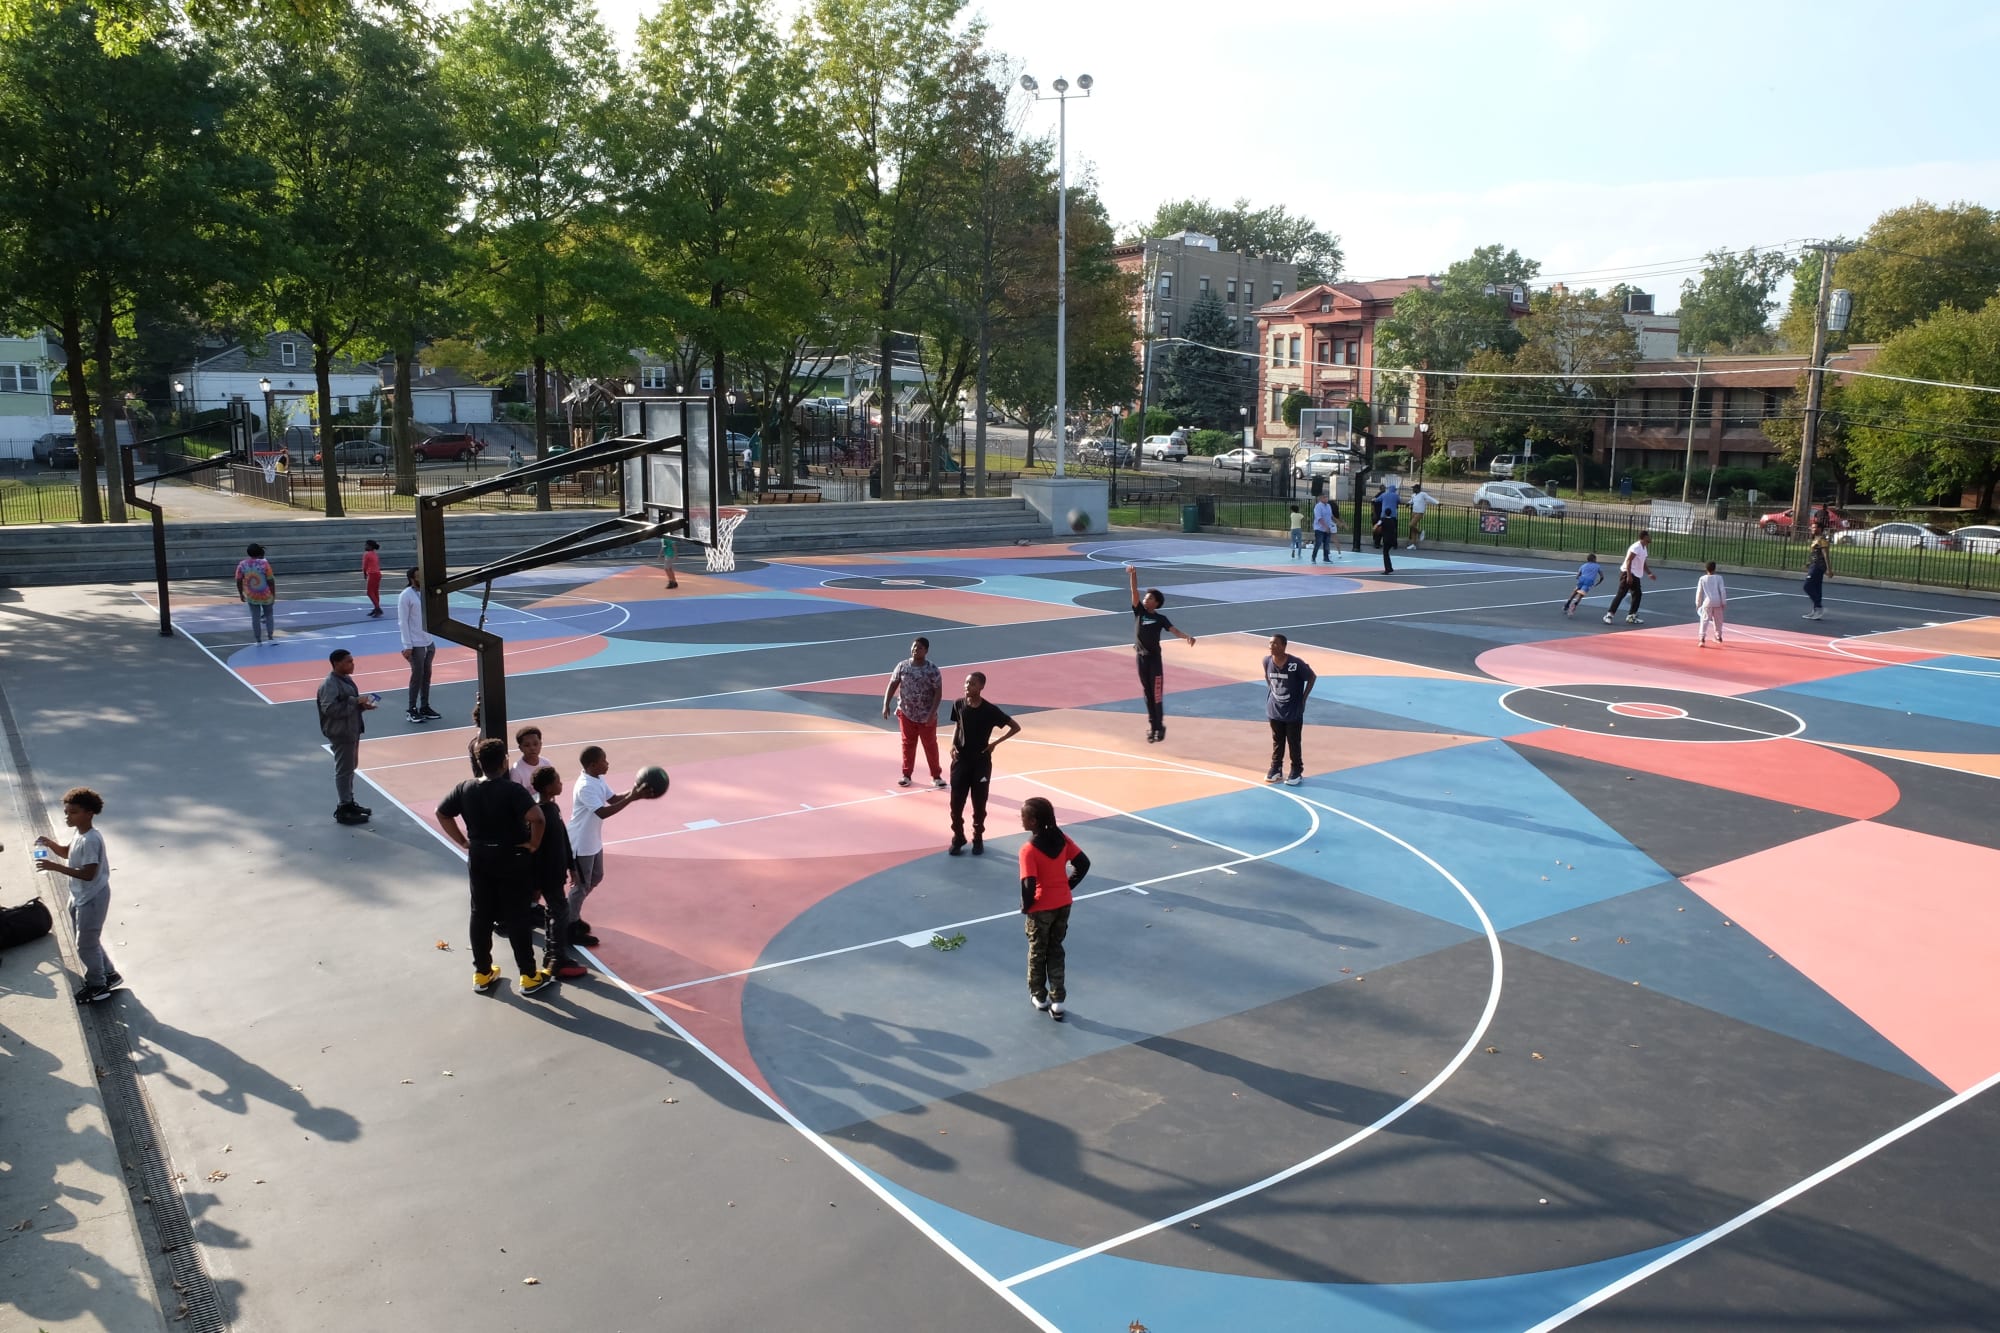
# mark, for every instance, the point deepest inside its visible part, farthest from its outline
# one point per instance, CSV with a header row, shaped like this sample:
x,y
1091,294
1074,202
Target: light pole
x,y
1061,98
180,400
1423,446
270,427
1242,449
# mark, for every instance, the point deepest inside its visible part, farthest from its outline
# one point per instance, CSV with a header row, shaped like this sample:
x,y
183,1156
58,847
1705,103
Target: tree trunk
x,y
719,386
401,432
108,447
329,469
1986,492
90,509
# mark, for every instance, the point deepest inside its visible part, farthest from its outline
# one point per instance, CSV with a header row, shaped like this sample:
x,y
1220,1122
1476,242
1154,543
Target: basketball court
x,y
1589,978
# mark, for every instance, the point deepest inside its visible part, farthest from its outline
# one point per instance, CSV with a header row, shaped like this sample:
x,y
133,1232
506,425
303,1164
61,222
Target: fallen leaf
x,y
1493,1050
447,1073
442,947
227,1148
409,1080
258,1181
1572,939
670,1101
531,1282
1534,1055
1623,940
218,1174
25,1224
1195,1225
1136,1327
1347,971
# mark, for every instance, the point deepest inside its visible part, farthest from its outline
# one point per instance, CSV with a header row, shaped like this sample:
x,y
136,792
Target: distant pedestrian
x,y
88,867
1324,528
1632,573
1147,625
974,719
1819,563
1588,575
503,827
515,460
1289,681
1298,523
667,559
590,805
419,650
371,575
1051,867
1711,599
916,687
341,704
1420,504
552,864
257,588
1392,500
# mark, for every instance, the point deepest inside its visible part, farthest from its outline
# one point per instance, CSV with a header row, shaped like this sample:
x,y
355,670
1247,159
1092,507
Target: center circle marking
x,y
1662,712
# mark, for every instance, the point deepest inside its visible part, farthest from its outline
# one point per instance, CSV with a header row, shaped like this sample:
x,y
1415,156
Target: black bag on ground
x,y
29,921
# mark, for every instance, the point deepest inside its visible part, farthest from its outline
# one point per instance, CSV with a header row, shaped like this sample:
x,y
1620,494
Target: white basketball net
x,y
722,551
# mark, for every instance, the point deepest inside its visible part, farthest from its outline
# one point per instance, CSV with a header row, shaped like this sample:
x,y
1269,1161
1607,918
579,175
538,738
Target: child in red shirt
x,y
1051,868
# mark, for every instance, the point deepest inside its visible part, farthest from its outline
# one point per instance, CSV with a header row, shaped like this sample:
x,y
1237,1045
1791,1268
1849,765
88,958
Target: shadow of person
x,y
241,1079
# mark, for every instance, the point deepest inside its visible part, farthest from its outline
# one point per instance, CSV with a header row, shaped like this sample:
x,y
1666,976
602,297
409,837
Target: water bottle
x,y
41,853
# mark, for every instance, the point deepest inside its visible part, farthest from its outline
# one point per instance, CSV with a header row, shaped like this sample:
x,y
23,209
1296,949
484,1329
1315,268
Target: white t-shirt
x,y
1420,503
1635,560
88,850
410,620
524,773
1708,591
586,830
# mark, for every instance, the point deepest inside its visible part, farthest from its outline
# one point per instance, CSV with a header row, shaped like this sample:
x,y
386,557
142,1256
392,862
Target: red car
x,y
1779,524
460,447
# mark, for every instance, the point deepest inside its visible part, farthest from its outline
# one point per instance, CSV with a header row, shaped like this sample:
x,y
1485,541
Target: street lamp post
x,y
180,400
1061,98
1242,449
270,426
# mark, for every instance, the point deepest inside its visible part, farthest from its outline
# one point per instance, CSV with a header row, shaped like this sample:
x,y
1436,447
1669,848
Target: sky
x,y
1609,140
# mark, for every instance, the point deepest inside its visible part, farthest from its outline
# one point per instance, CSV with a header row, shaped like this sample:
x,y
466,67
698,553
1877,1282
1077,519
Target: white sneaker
x,y
1038,1003
1634,620
1056,1010
1293,780
1607,617
1274,776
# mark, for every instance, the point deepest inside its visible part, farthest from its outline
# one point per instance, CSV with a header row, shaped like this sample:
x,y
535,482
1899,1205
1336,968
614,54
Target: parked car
x,y
459,446
1979,540
1323,463
371,452
1244,460
1929,536
1779,523
1505,464
1168,448
1517,497
47,447
1115,453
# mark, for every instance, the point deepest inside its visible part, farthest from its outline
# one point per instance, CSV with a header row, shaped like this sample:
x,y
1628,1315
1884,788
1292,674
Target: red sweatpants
x,y
914,731
375,590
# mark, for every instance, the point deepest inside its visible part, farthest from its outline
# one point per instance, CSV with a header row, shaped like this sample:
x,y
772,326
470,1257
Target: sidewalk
x,y
70,1254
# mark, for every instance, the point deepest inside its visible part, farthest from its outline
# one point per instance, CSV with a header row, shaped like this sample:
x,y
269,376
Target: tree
x,y
352,213
535,85
1915,444
1570,339
1469,309
1272,231
1911,262
1205,384
117,193
1729,309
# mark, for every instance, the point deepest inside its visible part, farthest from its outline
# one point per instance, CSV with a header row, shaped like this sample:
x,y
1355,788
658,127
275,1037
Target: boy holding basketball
x,y
593,803
1051,868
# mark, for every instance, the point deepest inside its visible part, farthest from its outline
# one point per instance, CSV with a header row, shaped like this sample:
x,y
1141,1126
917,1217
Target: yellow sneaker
x,y
485,981
535,981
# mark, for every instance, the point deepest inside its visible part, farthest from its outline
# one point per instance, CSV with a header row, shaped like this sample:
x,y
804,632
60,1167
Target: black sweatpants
x,y
1153,685
1388,543
1626,583
501,892
1287,736
970,776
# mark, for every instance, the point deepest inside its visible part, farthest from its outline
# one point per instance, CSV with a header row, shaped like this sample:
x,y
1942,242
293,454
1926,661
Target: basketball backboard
x,y
681,483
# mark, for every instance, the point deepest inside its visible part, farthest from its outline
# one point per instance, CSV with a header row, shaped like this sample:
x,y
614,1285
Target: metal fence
x,y
35,502
1742,545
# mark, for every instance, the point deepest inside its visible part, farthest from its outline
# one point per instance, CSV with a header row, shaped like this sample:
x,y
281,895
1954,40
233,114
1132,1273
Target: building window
x,y
1277,290
1322,352
1231,298
1166,286
1277,349
1166,325
20,379
288,354
706,380
425,372
1277,410
652,377
1353,351
1204,284
1295,349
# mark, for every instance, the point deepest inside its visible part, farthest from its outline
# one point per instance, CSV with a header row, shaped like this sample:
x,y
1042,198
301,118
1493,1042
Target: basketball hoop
x,y
268,460
722,551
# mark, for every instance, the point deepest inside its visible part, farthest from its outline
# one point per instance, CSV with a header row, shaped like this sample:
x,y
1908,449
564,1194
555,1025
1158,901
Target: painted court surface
x,y
1589,978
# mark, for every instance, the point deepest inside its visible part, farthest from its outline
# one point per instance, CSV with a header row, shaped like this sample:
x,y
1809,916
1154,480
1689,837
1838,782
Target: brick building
x,y
1175,270
1737,394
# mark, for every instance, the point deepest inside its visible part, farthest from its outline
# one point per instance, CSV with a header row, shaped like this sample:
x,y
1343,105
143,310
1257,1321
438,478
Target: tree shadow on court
x,y
1289,923
242,1080
1493,816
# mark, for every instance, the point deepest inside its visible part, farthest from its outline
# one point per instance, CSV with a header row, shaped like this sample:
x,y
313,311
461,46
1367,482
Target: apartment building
x,y
1175,271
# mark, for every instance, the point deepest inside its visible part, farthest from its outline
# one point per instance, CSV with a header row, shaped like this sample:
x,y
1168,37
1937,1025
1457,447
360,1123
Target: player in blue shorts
x,y
1588,576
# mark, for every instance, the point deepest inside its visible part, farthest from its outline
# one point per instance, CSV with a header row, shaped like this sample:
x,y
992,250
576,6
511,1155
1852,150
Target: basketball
x,y
652,782
1079,521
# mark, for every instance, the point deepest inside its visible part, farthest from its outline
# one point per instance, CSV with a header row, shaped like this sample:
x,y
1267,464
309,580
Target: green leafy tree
x,y
535,84
117,194
1911,262
1272,231
1571,338
1729,309
1295,402
1206,384
350,210
1440,327
1920,443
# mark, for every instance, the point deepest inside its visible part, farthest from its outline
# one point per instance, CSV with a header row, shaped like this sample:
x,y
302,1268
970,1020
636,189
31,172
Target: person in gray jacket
x,y
341,705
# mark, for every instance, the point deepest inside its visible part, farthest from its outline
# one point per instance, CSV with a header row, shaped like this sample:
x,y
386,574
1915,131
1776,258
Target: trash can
x,y
1205,508
1190,518
1722,508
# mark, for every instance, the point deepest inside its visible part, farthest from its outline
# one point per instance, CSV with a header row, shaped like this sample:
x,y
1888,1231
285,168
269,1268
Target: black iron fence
x,y
1742,545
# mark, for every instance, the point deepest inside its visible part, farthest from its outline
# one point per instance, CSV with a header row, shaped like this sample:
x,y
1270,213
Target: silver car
x,y
1517,497
1246,460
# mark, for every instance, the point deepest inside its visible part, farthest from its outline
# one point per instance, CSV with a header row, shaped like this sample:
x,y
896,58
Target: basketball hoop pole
x,y
239,450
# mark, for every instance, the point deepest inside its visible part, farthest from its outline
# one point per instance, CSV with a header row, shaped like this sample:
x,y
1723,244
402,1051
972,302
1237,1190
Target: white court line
x,y
1687,717
1382,1122
226,668
1749,1215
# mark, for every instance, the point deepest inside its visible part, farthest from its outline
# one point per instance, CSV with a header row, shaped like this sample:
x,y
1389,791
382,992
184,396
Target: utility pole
x,y
1815,373
1694,406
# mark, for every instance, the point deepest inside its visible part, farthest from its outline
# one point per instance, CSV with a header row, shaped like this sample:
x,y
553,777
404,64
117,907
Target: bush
x,y
1441,464
1665,485
1560,470
1775,482
1158,421
1208,443
1392,460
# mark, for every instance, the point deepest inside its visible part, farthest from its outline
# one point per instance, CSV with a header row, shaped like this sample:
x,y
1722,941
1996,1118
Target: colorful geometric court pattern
x,y
1574,943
